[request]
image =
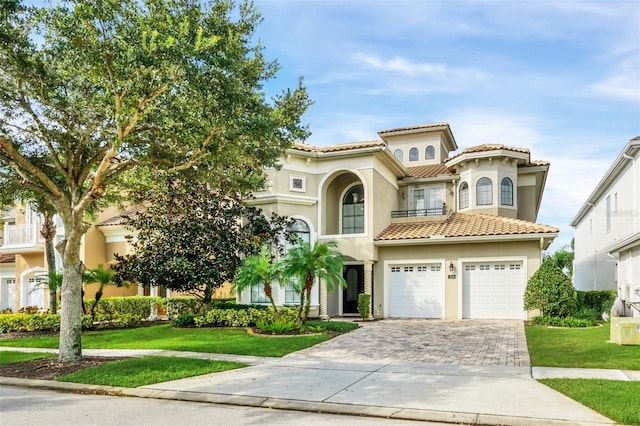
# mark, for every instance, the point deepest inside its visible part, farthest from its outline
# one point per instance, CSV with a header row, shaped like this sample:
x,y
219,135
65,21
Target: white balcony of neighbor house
x,y
22,239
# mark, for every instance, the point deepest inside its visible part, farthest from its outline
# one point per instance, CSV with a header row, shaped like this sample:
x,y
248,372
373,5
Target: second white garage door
x,y
416,291
493,290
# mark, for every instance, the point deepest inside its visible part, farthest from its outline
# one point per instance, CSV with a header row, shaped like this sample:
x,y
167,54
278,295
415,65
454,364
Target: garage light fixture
x,y
452,267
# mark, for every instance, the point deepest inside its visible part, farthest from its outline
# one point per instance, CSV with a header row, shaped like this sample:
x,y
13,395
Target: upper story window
x,y
418,199
413,154
463,198
430,153
506,192
484,192
398,154
353,210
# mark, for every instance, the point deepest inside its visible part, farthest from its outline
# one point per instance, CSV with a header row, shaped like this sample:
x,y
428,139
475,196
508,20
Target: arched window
x,y
398,154
463,197
506,192
484,192
413,154
353,210
430,153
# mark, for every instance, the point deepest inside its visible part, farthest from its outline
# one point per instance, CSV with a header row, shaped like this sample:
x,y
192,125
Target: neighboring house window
x,y
353,210
464,195
418,199
506,192
434,198
398,154
413,154
301,229
484,192
430,153
608,212
257,294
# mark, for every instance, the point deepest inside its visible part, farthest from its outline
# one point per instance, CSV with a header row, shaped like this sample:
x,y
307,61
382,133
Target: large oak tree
x,y
92,91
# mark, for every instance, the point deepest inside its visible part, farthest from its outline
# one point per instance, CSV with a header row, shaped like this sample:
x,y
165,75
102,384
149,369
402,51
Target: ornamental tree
x,y
551,291
192,239
91,91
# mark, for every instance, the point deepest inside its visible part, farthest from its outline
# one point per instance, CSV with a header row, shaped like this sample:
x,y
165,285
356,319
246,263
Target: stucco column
x,y
368,284
323,300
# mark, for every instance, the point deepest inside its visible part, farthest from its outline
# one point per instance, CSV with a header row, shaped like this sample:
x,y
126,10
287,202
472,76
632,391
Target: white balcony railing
x,y
22,235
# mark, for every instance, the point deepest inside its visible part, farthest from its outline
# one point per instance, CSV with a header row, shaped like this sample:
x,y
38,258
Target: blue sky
x,y
561,78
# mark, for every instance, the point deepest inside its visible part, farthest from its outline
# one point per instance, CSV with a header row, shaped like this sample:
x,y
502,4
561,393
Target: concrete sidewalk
x,y
398,389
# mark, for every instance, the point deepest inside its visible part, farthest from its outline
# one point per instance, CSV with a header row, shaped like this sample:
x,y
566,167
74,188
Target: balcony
x,y
22,239
439,211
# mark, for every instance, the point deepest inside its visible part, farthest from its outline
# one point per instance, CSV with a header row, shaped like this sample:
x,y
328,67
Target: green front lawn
x,y
9,357
617,400
579,348
134,372
214,340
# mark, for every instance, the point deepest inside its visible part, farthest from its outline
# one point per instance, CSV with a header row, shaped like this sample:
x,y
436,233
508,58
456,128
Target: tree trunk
x,y
48,232
71,312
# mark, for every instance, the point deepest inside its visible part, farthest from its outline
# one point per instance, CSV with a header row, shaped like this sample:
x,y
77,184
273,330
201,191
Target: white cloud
x,y
624,81
403,66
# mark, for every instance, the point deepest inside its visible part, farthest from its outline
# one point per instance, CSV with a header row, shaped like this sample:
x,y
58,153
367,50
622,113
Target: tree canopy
x,y
190,238
97,95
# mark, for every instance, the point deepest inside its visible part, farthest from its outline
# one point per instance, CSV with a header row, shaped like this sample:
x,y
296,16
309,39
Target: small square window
x,y
297,183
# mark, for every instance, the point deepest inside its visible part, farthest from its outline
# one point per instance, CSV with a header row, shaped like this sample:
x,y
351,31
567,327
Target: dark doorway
x,y
354,276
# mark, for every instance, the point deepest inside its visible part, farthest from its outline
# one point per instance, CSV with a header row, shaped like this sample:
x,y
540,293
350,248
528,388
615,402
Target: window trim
x,y
364,213
413,151
460,198
430,154
502,191
490,191
399,155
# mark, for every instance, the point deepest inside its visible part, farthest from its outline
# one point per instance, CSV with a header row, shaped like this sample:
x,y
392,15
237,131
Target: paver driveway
x,y
460,342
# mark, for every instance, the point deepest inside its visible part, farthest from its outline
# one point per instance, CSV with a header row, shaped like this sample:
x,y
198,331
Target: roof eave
x,y
548,236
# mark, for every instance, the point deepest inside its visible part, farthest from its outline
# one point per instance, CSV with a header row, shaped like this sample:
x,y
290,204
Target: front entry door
x,y
354,276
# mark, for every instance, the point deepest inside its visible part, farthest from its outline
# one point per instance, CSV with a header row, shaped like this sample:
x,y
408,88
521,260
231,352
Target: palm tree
x,y
305,264
101,276
53,281
259,269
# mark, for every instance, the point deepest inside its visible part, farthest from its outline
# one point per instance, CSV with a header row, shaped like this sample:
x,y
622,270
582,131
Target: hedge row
x,y
241,317
139,306
600,301
51,322
180,306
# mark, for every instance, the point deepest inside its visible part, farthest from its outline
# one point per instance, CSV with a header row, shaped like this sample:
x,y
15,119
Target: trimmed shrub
x,y
595,301
276,326
106,322
242,317
112,307
179,306
551,291
184,320
51,322
564,322
364,300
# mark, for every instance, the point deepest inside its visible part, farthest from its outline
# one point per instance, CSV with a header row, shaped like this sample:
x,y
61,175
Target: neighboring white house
x,y
607,239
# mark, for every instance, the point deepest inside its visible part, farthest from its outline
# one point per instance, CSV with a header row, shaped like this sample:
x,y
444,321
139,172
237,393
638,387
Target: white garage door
x,y
493,290
416,291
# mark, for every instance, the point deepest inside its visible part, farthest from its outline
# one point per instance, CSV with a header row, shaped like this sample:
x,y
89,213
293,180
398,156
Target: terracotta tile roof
x,y
119,219
429,171
339,147
422,126
489,147
464,225
537,163
7,258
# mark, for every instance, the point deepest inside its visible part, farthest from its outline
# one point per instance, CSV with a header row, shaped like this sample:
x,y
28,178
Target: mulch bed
x,y
50,368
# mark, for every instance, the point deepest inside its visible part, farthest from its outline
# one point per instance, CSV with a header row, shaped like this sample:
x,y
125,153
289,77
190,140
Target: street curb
x,y
295,405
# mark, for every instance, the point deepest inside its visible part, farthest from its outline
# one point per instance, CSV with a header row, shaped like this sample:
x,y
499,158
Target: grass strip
x,y
579,348
12,357
134,372
617,400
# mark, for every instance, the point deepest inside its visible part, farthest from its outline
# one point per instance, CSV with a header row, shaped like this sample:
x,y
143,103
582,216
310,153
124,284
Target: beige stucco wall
x,y
530,250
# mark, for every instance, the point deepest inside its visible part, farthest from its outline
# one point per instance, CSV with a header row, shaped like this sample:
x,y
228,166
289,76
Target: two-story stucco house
x,y
427,231
607,236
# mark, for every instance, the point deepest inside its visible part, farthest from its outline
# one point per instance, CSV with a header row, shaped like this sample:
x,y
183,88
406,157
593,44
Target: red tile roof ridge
x,y
419,126
489,147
